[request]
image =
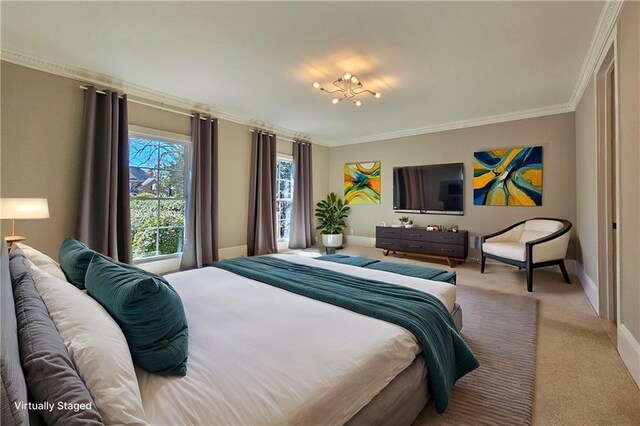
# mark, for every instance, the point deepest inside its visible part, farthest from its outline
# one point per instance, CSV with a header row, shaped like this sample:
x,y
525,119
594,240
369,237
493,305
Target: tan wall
x,y
555,133
41,125
629,75
586,182
41,154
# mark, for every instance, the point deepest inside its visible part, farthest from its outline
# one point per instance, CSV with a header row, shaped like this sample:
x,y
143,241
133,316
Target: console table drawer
x,y
450,250
416,246
388,232
389,244
448,237
416,235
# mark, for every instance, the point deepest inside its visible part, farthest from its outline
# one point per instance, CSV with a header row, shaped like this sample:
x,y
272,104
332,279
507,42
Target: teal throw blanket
x,y
447,356
397,268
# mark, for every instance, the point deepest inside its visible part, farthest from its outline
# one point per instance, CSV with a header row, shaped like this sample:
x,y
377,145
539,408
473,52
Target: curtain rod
x,y
284,138
135,101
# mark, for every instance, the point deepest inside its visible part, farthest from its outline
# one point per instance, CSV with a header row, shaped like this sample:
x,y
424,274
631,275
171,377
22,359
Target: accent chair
x,y
530,244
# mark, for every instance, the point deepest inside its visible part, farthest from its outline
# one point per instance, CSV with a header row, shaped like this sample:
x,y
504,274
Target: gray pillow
x,y
13,388
48,369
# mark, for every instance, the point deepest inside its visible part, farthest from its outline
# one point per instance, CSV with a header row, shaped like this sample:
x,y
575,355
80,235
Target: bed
x,y
262,355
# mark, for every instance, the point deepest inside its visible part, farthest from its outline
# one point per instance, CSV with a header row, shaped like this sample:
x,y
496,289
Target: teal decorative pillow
x,y
149,312
74,258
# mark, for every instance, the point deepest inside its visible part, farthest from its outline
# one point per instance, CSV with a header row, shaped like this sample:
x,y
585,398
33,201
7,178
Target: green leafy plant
x,y
404,219
331,214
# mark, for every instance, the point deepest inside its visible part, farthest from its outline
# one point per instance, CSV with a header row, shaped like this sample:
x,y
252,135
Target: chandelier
x,y
347,87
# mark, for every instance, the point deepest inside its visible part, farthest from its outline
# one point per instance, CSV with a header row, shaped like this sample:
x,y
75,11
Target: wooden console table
x,y
450,246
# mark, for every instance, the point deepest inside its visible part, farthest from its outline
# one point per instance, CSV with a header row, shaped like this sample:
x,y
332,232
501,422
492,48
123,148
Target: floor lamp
x,y
22,208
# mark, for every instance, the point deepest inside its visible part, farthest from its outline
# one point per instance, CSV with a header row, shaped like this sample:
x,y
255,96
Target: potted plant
x,y
331,214
403,220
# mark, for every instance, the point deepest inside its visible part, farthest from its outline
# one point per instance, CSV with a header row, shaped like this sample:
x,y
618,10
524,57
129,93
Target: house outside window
x,y
158,175
284,196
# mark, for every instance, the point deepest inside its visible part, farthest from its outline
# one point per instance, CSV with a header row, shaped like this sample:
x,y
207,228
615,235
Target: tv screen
x,y
437,188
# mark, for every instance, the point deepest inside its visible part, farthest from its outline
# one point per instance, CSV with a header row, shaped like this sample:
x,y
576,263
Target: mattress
x,y
262,355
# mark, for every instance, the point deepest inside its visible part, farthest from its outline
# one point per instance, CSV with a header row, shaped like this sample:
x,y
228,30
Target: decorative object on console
x,y
331,214
22,208
348,87
529,244
450,246
508,177
362,183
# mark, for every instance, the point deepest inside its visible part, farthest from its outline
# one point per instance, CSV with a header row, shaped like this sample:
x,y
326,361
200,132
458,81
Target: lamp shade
x,y
24,208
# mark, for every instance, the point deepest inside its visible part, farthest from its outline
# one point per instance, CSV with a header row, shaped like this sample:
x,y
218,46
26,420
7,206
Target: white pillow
x,y
97,347
42,261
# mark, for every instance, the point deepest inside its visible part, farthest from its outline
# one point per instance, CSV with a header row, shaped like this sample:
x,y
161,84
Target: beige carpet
x,y
580,377
501,331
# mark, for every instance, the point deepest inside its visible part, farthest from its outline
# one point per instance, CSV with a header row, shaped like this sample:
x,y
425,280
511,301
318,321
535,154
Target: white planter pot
x,y
334,240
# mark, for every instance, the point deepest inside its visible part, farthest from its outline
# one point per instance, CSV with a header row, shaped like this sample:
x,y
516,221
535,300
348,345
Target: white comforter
x,y
262,355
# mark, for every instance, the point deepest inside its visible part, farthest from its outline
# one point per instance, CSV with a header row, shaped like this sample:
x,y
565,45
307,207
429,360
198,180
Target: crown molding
x,y
86,76
474,122
606,23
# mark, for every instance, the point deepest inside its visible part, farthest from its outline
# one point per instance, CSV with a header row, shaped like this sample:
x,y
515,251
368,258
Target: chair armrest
x,y
495,235
551,247
566,227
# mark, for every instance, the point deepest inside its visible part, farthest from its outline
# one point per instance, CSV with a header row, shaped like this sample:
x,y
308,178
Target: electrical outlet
x,y
350,231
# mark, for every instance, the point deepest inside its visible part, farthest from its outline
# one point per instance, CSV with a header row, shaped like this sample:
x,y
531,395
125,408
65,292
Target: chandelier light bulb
x,y
354,79
358,103
335,101
347,76
316,85
377,95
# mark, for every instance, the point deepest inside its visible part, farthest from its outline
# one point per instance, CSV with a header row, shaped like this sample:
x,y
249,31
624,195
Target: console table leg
x,y
385,252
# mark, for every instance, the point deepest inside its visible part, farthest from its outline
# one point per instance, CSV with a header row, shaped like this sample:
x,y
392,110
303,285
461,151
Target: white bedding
x,y
262,355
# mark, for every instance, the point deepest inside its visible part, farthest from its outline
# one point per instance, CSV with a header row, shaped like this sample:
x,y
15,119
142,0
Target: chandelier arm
x,y
342,88
332,91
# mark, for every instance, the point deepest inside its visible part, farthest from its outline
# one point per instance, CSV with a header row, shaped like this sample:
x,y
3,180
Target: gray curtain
x,y
201,232
302,233
104,223
261,232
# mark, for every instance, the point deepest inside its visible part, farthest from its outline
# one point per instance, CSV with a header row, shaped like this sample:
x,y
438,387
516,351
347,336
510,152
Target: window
x,y
284,197
157,190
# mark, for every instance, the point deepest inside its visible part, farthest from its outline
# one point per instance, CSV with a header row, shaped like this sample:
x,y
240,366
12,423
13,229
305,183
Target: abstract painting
x,y
508,177
362,183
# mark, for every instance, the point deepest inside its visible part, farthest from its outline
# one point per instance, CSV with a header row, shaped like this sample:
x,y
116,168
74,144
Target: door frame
x,y
609,306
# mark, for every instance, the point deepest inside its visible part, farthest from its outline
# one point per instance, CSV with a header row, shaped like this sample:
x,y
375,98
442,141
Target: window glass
x,y
284,197
157,183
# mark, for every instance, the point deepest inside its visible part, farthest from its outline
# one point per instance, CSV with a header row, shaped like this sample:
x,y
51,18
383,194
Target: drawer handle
x,y
448,250
446,238
413,246
386,244
415,235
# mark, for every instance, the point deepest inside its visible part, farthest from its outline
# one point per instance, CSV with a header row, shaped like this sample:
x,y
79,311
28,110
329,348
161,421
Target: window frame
x,y
173,138
287,158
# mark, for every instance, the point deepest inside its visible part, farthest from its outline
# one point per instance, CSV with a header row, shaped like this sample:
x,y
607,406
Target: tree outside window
x,y
157,188
284,197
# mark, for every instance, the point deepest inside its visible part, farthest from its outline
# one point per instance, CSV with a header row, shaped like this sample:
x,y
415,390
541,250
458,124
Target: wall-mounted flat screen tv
x,y
432,189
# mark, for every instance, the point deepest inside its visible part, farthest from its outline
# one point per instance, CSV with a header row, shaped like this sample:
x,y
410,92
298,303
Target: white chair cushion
x,y
515,251
539,228
532,235
543,225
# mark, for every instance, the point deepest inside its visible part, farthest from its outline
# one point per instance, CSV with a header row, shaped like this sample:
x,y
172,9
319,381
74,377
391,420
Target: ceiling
x,y
436,63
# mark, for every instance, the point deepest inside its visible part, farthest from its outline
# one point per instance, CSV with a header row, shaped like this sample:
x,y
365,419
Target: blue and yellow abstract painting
x,y
508,177
362,183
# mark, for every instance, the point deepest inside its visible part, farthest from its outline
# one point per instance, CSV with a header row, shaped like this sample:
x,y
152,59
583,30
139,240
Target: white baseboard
x,y
356,240
629,350
590,288
231,252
